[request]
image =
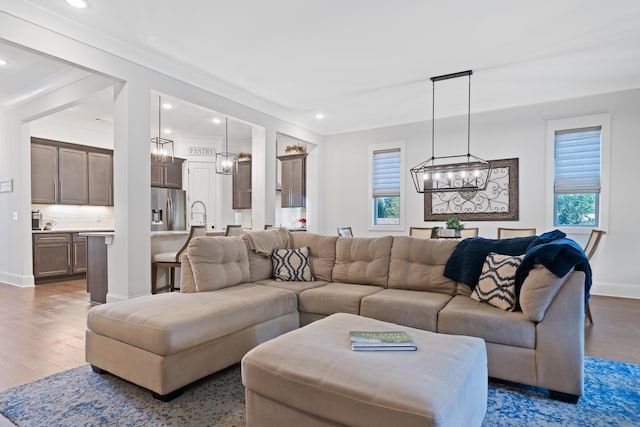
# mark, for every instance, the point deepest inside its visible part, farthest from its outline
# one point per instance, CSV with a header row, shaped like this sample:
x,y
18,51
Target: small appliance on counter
x,y
36,219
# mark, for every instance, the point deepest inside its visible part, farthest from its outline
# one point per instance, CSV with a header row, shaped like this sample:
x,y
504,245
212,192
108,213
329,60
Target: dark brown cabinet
x,y
73,173
293,180
167,175
44,174
79,264
100,179
70,174
59,254
51,254
242,186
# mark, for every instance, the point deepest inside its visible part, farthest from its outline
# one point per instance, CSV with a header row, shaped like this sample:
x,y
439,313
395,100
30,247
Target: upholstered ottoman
x,y
311,377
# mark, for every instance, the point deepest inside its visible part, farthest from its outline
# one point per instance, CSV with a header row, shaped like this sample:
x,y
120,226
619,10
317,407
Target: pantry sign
x,y
201,151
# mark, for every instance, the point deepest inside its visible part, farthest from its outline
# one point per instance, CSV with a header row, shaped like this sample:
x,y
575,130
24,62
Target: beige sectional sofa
x,y
229,303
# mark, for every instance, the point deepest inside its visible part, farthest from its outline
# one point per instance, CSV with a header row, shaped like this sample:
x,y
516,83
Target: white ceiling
x,y
366,63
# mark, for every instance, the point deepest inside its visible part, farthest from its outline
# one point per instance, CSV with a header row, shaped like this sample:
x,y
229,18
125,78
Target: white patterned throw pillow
x,y
292,265
496,285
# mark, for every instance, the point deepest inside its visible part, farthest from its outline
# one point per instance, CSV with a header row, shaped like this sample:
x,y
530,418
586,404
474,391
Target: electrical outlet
x,y
15,216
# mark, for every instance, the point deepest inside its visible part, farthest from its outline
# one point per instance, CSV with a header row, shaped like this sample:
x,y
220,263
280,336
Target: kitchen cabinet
x,y
167,175
44,174
293,180
51,254
73,173
59,254
242,186
79,264
70,174
100,179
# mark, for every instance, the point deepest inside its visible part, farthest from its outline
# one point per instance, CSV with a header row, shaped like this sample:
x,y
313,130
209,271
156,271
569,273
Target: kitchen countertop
x,y
63,230
169,233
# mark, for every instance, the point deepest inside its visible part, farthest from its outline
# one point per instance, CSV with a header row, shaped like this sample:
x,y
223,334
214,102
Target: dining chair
x,y
424,232
171,260
465,233
345,232
233,230
589,250
508,233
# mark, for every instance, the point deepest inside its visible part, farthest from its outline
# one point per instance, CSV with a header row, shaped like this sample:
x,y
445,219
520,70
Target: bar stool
x,y
171,260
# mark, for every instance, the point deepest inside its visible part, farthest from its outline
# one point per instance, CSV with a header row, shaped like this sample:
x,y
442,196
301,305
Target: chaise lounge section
x,y
230,303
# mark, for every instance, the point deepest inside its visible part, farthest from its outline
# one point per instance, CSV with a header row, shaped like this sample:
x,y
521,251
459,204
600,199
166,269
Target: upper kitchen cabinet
x,y
44,174
100,179
242,186
73,177
293,184
70,174
167,175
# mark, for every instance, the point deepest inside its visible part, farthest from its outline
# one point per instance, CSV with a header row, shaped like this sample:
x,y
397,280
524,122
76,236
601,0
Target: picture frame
x,y
498,202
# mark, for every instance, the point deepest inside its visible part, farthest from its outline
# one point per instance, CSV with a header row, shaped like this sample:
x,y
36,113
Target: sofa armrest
x,y
560,340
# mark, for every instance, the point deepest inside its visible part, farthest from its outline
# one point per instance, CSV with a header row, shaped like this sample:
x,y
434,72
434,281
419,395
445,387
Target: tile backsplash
x,y
69,217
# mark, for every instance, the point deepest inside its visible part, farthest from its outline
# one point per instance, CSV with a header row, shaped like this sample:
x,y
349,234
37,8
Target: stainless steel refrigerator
x,y
168,209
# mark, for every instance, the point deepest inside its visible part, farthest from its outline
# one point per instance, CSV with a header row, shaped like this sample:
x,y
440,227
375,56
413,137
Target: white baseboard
x,y
112,297
17,280
620,290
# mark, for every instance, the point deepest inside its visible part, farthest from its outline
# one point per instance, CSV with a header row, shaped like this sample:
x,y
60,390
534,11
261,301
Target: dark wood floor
x,y
42,330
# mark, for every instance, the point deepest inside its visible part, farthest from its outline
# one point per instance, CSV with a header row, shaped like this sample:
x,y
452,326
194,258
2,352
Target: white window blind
x,y
577,161
386,173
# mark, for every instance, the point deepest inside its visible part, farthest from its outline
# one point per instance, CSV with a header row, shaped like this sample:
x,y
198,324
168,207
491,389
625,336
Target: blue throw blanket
x,y
466,261
559,256
553,250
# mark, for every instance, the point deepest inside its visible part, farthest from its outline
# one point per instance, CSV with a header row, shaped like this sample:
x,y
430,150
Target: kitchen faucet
x,y
204,214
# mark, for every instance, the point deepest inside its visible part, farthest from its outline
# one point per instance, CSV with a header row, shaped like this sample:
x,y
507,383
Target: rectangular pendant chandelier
x,y
161,148
226,163
464,172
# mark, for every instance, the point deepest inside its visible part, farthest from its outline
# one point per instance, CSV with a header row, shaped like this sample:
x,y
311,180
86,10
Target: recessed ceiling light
x,y
319,116
216,120
167,106
80,4
167,131
3,62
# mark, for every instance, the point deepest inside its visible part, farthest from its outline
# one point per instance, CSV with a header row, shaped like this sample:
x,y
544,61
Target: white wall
x,y
517,132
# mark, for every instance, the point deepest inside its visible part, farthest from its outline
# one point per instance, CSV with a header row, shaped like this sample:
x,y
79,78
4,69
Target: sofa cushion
x,y
322,252
497,283
259,246
291,265
362,260
418,309
335,298
187,284
295,287
464,316
168,323
418,264
218,262
538,291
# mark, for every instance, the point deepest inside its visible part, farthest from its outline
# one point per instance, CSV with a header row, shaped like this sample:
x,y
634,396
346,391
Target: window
x,y
579,148
577,177
387,185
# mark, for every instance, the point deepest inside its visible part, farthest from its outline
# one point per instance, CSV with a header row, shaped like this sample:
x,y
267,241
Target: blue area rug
x,y
79,397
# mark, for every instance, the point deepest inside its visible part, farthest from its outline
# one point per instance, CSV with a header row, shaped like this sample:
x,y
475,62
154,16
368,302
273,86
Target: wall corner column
x,y
129,256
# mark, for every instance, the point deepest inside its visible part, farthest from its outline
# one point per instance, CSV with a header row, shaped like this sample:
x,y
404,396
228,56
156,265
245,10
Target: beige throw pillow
x,y
538,290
